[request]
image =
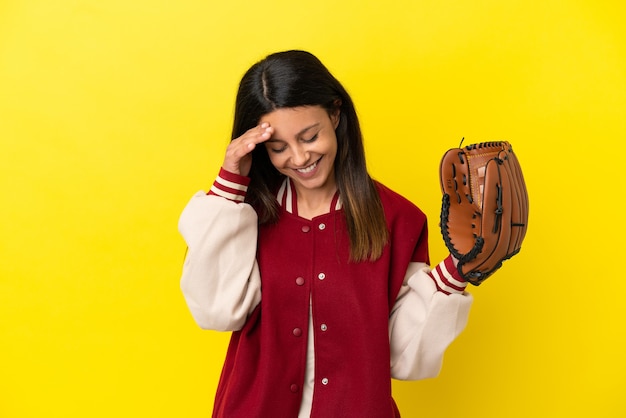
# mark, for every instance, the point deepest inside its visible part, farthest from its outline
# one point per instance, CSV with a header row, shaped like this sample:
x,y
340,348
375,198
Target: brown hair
x,y
297,78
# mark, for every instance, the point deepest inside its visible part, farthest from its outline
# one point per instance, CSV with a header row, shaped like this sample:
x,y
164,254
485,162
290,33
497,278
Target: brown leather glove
x,y
484,212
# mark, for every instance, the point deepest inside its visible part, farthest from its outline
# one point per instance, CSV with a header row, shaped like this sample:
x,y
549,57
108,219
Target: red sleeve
x,y
420,253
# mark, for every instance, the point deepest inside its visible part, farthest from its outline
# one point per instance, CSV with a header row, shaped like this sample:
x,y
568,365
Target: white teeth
x,y
307,169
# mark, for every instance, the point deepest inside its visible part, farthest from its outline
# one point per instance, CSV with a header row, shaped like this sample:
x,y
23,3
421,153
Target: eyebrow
x,y
302,132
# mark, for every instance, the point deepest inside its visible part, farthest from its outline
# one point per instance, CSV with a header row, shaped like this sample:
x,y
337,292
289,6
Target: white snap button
x,y
322,226
321,276
325,381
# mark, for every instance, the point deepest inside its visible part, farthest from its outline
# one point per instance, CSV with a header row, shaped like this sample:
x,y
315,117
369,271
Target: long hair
x,y
297,78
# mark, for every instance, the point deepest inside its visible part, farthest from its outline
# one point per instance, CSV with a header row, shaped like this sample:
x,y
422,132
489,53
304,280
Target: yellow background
x,y
112,113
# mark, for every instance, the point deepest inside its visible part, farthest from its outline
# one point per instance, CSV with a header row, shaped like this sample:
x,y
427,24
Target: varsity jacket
x,y
315,334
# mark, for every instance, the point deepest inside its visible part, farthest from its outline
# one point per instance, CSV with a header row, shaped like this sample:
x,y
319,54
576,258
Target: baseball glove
x,y
484,212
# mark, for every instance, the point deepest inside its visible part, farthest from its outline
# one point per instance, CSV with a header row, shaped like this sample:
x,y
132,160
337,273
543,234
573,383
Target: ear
x,y
335,115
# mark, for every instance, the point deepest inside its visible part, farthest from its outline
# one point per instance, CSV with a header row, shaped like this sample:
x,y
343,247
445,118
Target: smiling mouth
x,y
308,169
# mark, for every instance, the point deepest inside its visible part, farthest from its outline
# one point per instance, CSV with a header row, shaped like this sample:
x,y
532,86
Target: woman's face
x,y
303,146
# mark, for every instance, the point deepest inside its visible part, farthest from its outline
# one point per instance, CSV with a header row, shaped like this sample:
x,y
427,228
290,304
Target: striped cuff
x,y
447,277
230,186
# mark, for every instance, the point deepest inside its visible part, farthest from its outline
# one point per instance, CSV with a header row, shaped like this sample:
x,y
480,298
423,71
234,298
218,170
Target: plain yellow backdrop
x,y
113,113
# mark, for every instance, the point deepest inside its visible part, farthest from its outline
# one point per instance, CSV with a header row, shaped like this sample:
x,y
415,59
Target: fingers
x,y
238,158
256,135
248,141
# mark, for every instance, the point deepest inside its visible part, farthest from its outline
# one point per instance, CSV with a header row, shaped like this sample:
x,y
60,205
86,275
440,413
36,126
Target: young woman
x,y
321,272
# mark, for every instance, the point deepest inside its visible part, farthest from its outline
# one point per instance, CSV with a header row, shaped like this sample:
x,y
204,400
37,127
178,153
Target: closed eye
x,y
276,150
283,147
308,141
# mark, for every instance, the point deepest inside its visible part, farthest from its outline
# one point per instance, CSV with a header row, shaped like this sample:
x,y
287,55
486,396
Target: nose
x,y
299,156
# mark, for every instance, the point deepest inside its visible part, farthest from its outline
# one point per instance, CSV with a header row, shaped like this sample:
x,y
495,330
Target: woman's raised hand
x,y
238,157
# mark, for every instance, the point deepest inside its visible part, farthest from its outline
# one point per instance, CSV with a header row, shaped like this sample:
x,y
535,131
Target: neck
x,y
312,203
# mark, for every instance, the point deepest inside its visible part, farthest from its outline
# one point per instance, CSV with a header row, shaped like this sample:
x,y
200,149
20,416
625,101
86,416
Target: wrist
x,y
231,186
447,277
